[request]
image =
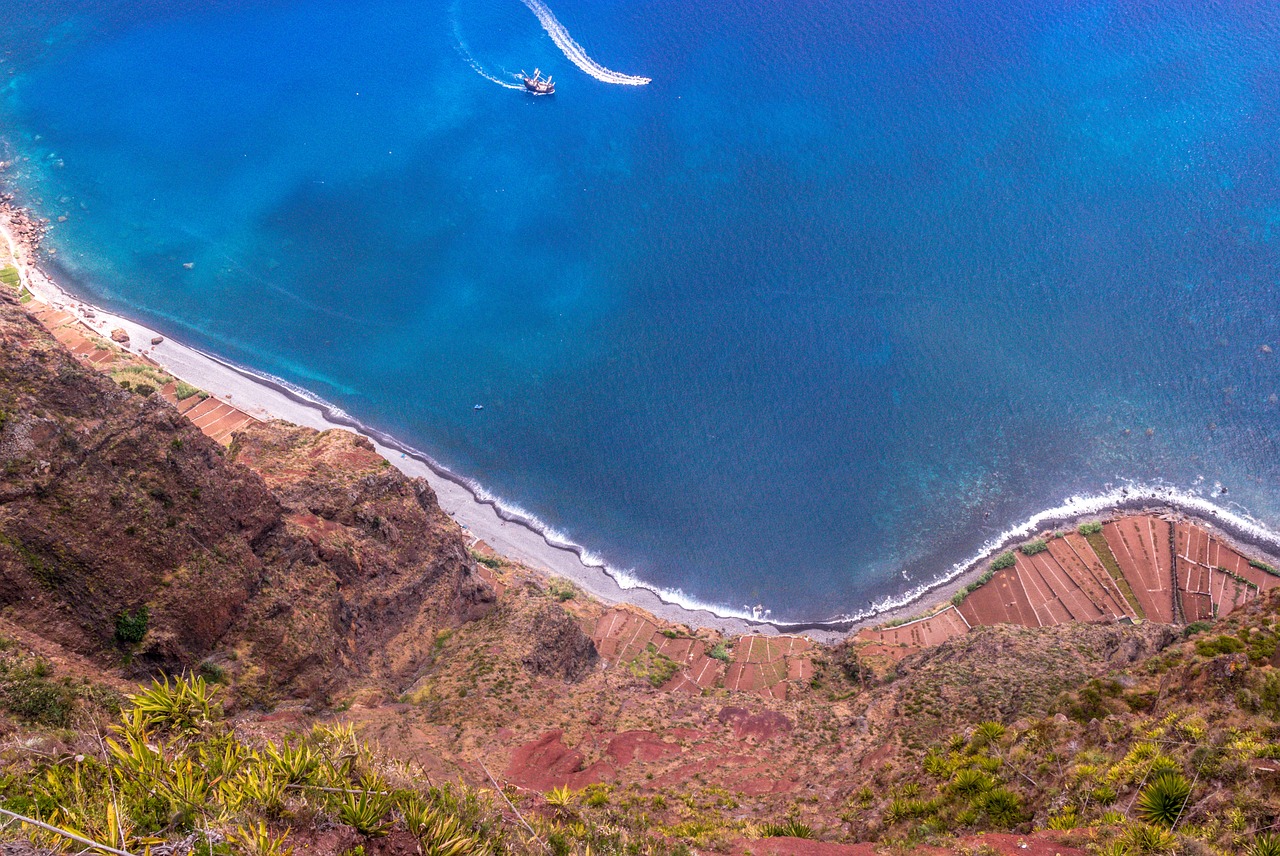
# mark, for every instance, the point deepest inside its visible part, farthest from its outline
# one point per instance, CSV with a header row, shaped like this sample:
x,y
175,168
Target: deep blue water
x,y
847,289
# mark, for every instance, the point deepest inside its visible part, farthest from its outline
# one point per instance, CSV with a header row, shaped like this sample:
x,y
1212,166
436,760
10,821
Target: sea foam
x,y
574,52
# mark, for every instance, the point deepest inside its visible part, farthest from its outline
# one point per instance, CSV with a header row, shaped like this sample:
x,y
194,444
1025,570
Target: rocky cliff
x,y
125,532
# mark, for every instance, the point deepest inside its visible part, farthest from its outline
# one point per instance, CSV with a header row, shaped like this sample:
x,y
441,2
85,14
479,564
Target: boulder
x,y
558,646
119,335
155,340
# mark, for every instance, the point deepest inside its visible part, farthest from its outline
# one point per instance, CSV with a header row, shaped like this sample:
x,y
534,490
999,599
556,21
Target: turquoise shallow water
x,y
845,291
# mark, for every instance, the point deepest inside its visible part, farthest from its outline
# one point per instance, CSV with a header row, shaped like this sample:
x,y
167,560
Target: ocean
x,y
844,291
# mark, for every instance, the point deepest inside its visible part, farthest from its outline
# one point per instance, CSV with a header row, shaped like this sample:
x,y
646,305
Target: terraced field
x,y
1139,567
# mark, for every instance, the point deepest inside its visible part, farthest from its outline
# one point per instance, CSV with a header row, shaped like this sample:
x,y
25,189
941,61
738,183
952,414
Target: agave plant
x,y
985,734
1068,818
257,841
1265,844
295,764
258,786
1003,807
1162,801
969,783
365,811
439,834
561,801
1141,838
788,829
186,705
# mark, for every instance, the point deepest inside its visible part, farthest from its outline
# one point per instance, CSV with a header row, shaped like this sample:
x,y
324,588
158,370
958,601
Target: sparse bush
x,y
1220,645
131,627
1088,529
184,390
720,652
1004,560
1031,548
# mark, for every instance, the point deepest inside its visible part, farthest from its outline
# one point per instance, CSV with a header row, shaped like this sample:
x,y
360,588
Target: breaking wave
x,y
1134,496
574,52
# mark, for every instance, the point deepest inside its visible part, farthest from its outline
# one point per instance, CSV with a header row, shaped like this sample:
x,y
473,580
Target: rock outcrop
x,y
324,569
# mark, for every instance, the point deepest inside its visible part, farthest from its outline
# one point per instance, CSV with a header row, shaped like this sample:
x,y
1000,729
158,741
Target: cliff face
x,y
306,581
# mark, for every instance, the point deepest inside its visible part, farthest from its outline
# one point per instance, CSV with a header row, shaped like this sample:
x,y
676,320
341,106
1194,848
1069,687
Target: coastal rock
x,y
290,565
120,335
558,646
155,340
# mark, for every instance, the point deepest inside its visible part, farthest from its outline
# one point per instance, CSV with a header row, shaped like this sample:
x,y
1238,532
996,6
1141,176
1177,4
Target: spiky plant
x,y
186,706
969,783
295,764
257,841
986,734
1142,838
1003,807
1265,844
365,811
1162,801
788,829
1068,818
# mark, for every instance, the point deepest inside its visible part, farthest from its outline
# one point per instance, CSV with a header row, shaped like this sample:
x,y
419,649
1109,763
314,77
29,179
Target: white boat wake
x,y
574,52
461,45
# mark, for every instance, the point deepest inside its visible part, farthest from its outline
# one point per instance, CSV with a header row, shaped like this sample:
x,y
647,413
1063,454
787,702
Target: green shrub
x,y
1196,627
1087,529
131,627
1220,645
1162,801
970,783
1264,567
492,562
720,652
185,390
562,591
1033,547
1004,560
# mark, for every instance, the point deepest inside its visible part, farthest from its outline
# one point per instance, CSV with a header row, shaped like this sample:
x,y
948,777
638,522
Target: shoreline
x,y
516,536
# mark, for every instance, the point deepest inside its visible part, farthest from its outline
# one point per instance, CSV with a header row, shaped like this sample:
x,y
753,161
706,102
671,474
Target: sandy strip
x,y
265,399
268,398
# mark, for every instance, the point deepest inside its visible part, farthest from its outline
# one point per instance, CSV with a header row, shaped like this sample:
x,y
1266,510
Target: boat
x,y
538,85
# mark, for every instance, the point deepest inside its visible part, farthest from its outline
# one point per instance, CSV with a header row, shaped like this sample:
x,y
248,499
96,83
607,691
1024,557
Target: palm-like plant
x,y
1003,807
295,764
257,841
788,829
969,783
187,705
1162,801
1265,844
986,734
365,811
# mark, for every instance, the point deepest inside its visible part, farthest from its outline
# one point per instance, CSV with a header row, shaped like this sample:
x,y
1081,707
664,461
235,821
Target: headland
x,y
522,539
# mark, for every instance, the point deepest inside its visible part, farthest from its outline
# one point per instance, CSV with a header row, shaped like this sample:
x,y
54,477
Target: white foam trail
x,y
574,52
460,45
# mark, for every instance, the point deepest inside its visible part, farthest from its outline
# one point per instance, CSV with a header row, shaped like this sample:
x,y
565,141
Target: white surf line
x,y
574,52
